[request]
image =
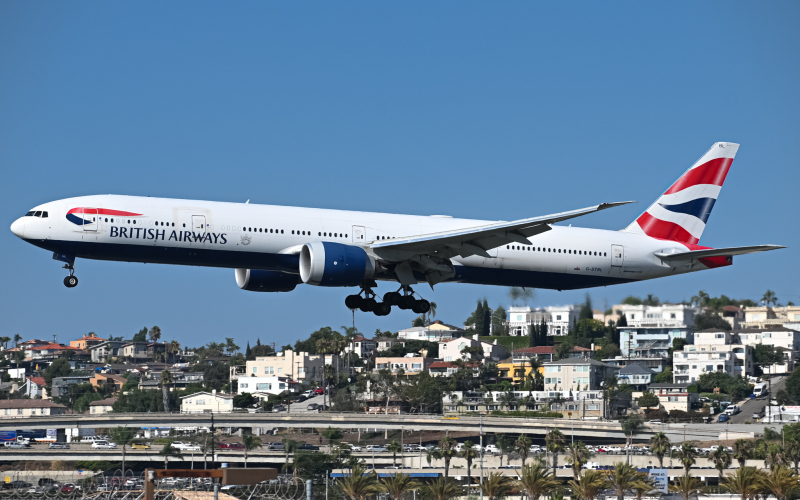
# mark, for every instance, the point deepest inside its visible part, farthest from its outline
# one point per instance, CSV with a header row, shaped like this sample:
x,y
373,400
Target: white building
x,y
766,317
270,385
576,374
362,346
207,402
777,336
450,349
559,319
434,332
651,330
713,351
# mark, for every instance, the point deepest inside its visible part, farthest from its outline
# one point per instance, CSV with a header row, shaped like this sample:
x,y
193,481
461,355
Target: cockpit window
x,y
44,215
29,214
38,213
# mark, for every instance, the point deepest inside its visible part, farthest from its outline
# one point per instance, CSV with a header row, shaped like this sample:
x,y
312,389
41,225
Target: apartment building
x,y
411,364
434,332
781,337
451,349
385,343
300,366
559,319
577,374
135,350
100,353
86,342
713,350
61,385
447,368
671,396
655,363
766,317
269,385
362,346
651,330
636,375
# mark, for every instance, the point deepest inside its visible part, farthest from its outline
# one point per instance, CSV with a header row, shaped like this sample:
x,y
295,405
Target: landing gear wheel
x,y
71,281
353,301
368,305
392,298
382,309
406,302
421,306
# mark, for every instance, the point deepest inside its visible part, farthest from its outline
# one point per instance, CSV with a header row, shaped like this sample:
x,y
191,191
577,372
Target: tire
x,y
392,298
406,302
422,306
353,301
368,305
71,281
382,309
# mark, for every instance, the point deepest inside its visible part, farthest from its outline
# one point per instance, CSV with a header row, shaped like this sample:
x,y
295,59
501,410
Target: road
x,y
752,406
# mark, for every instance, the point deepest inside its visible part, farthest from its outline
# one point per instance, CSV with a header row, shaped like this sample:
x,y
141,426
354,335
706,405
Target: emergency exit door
x,y
359,234
617,255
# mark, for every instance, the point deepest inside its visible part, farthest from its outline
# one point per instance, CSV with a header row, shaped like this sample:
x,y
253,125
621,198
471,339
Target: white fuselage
x,y
236,235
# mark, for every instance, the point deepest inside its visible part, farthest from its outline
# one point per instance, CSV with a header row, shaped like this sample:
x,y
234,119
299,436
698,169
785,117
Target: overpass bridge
x,y
416,422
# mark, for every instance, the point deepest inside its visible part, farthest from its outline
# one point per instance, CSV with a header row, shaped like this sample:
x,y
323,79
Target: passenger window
x,y
335,235
44,215
134,221
281,231
38,213
604,254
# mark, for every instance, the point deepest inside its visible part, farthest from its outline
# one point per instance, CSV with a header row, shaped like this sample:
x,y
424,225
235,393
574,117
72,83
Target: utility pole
x,y
481,459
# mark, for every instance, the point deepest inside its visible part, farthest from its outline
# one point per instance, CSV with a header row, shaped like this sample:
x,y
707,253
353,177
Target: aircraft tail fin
x,y
681,213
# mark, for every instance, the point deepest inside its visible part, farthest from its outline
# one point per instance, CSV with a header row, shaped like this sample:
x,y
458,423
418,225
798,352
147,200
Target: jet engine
x,y
324,263
259,280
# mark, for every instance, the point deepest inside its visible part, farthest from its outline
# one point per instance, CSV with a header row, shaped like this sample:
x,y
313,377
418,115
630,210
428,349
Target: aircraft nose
x,y
18,228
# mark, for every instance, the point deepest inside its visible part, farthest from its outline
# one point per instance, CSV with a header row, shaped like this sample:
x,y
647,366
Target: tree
x,y
359,484
495,486
394,448
769,298
648,400
743,482
168,451
621,479
59,368
781,482
397,485
141,336
631,426
289,446
442,489
154,334
643,486
166,380
742,450
722,459
174,348
523,447
506,445
554,441
586,311
447,450
499,317
664,376
709,319
577,455
5,341
123,436
588,485
250,442
660,447
480,318
687,487
700,300
216,375
469,453
17,338
687,455
536,481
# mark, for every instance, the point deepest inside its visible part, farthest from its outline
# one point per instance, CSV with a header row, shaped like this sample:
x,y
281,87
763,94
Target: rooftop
x,y
636,369
749,330
104,402
580,361
40,381
29,403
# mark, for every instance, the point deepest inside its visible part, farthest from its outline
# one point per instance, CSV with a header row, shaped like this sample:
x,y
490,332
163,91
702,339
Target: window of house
x,y
201,402
592,407
255,369
472,408
19,411
552,369
672,399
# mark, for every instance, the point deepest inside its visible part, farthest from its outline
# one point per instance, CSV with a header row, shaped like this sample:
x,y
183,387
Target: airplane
x,y
276,248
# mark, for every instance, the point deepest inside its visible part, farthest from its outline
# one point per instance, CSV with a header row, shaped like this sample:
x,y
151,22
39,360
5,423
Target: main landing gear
x,y
404,301
70,281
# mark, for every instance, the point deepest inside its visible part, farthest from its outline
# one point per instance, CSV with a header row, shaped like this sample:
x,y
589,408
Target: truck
x,y
760,390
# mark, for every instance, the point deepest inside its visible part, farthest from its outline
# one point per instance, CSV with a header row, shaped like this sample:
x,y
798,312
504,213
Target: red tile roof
x,y
86,337
52,347
450,364
40,381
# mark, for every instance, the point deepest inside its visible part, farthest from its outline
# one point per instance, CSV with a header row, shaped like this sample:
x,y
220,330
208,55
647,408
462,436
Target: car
x,y
231,446
138,446
773,402
308,393
58,446
355,448
491,448
275,447
376,447
179,445
318,391
278,408
308,447
299,398
69,488
103,445
312,406
724,418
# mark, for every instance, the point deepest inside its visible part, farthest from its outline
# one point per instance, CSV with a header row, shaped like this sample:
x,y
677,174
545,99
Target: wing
x,y
715,252
477,240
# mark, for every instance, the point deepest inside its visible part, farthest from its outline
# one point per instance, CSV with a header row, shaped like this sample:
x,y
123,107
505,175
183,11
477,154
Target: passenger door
x,y
359,234
617,255
198,228
90,221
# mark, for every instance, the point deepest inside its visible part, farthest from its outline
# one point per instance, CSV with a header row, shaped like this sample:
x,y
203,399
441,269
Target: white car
x,y
185,446
309,393
103,445
491,448
355,448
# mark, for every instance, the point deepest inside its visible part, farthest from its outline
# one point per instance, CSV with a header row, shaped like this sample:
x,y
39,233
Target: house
x,y
49,351
60,386
86,342
447,368
102,406
451,349
207,402
35,387
517,368
713,350
770,317
434,332
362,346
655,363
101,352
577,374
651,330
21,408
410,364
559,319
386,343
671,396
269,385
300,366
135,350
786,339
636,375
107,381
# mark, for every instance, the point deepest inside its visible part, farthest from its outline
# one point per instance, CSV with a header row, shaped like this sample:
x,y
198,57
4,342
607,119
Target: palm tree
x,y
166,379
359,484
701,299
722,459
155,335
769,298
792,452
687,486
631,426
442,489
622,478
687,454
250,442
394,448
431,313
289,446
123,436
743,482
17,338
781,482
742,450
506,445
446,451
643,486
5,341
554,440
397,485
174,347
775,456
659,445
469,453
523,447
588,485
537,481
168,451
577,455
495,486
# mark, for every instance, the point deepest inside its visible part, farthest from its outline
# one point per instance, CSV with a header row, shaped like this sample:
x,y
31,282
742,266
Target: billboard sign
x,y
659,477
8,435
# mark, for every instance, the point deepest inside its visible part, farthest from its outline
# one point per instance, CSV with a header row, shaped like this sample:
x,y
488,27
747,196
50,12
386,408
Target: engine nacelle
x,y
259,280
324,263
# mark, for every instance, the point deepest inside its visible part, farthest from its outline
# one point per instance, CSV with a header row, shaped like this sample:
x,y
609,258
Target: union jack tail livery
x,y
681,213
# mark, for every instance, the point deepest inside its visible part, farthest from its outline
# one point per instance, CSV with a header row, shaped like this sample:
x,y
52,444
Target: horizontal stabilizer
x,y
715,252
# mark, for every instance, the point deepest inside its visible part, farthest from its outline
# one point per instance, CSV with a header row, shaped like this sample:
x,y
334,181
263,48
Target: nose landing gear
x,y
367,303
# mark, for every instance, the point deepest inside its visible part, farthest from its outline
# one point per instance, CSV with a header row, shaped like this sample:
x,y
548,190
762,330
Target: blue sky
x,y
473,109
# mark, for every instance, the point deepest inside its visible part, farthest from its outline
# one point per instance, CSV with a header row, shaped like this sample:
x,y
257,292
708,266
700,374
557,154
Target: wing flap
x,y
715,252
